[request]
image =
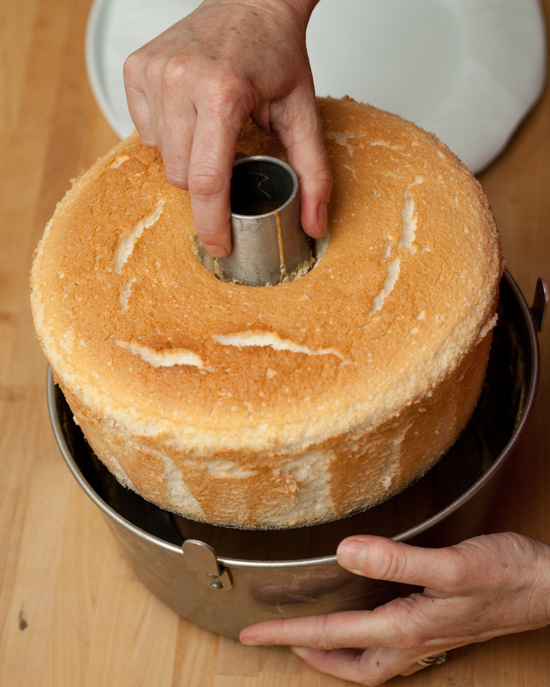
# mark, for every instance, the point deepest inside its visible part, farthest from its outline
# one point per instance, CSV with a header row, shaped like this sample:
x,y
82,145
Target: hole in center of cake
x,y
216,267
269,246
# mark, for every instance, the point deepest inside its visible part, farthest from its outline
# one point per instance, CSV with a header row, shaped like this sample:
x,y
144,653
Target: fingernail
x,y
250,641
322,218
352,554
217,251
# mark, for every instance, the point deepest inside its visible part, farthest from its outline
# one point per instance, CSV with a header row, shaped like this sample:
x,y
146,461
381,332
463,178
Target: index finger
x,y
388,625
416,622
343,630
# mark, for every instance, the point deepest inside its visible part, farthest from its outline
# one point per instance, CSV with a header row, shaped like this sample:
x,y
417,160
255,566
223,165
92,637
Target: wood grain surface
x,y
72,614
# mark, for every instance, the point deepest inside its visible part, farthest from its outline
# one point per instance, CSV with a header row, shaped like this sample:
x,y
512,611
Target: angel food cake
x,y
280,406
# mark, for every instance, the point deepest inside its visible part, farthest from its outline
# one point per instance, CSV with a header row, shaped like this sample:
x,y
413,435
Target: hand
x,y
191,89
484,587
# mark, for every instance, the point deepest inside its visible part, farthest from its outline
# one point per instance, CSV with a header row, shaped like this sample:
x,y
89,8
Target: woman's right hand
x,y
191,90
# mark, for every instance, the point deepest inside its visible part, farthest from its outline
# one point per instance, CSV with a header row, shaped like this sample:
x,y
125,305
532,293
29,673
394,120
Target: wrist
x,y
299,10
303,7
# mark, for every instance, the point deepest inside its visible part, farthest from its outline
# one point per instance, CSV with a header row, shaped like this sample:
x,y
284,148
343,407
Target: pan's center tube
x,y
269,245
284,273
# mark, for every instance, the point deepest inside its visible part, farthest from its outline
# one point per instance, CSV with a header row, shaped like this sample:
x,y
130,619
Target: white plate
x,y
468,70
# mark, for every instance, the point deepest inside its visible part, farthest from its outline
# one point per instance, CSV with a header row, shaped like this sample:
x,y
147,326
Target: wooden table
x,y
71,611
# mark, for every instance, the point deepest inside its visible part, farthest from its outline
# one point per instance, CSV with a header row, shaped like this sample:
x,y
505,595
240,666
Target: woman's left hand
x,y
483,587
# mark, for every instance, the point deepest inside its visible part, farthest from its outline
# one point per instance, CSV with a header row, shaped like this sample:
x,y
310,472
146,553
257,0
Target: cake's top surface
x,y
144,334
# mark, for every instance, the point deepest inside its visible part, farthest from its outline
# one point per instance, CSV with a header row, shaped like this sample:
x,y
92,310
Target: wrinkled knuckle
x,y
229,99
517,542
132,67
404,632
461,572
324,177
224,88
174,72
460,578
325,644
393,565
177,178
205,183
325,640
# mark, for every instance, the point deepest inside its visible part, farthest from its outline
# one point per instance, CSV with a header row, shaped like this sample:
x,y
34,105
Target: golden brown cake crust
x,y
283,405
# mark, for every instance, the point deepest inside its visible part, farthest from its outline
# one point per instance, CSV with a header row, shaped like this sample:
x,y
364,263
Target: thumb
x,y
385,559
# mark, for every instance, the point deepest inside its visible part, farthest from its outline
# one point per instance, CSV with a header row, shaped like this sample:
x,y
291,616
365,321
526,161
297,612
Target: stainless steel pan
x,y
226,579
